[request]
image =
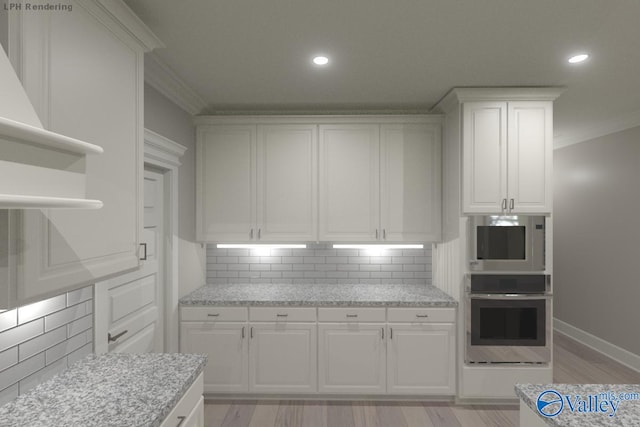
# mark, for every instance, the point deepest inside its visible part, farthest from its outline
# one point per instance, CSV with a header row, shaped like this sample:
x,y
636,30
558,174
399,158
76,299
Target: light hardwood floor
x,y
574,363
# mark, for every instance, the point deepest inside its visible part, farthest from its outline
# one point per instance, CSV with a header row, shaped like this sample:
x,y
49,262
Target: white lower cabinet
x,y
282,358
189,411
352,358
400,351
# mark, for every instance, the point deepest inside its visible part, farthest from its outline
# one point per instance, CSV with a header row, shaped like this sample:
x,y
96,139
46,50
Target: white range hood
x,y
38,168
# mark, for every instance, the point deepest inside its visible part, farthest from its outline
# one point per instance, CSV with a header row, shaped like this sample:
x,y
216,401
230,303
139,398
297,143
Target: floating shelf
x,y
16,131
11,201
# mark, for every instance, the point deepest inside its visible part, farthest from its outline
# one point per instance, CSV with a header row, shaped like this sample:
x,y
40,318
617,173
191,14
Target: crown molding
x,y
161,77
470,94
607,127
131,23
162,148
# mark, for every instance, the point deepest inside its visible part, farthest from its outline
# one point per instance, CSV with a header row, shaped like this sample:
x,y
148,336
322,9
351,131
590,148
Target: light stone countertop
x,y
320,295
591,403
103,390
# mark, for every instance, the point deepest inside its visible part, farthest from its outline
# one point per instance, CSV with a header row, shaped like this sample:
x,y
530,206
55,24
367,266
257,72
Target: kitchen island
x,y
579,405
111,390
320,339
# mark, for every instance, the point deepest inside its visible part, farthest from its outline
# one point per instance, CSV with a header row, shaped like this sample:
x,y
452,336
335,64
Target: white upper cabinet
x,y
83,73
410,182
225,185
349,182
507,148
287,183
256,183
307,178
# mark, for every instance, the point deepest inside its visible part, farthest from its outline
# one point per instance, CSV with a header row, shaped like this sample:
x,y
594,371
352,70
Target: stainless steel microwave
x,y
506,243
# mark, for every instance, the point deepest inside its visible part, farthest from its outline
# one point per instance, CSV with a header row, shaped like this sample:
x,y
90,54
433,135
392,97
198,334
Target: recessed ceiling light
x,y
321,60
578,58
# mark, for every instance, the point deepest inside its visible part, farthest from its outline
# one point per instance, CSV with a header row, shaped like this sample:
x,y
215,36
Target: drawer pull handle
x,y
181,420
422,316
282,315
115,337
382,334
352,315
391,333
243,332
213,315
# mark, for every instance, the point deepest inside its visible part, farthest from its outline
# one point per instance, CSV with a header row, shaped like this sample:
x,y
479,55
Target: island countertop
x,y
108,390
584,405
319,295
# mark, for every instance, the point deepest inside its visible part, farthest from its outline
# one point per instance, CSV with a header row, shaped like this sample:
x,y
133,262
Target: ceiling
x,y
404,55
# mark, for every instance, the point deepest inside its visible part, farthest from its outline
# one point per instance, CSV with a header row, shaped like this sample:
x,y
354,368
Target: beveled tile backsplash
x,y
41,339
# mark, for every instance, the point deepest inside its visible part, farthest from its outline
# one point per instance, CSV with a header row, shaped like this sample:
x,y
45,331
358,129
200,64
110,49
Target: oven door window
x,y
506,322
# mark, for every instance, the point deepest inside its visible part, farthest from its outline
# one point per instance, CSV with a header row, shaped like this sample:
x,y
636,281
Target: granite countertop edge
x,y
319,295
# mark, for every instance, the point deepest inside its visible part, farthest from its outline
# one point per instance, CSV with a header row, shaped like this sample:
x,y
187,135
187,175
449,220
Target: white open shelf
x,y
11,201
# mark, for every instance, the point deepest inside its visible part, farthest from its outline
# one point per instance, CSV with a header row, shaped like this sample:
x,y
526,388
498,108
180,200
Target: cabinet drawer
x,y
214,314
356,314
422,314
282,314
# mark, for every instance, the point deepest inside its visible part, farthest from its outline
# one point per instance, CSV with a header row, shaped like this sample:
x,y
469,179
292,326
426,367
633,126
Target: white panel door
x,y
287,183
421,359
226,345
530,154
484,157
225,184
283,358
135,300
410,182
352,358
349,183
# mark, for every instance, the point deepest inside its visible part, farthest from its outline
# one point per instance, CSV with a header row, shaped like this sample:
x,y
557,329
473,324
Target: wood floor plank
x,y
265,414
239,414
467,416
215,412
365,414
441,415
499,416
315,414
416,416
340,414
390,414
290,414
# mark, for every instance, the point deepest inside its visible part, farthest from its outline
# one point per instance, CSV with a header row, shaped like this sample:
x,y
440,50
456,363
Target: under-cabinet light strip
x,y
259,246
378,246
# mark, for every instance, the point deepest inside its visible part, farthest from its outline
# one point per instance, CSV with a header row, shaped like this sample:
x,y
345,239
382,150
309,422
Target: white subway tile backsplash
x,y
41,308
8,358
8,319
20,334
42,342
80,353
318,263
38,340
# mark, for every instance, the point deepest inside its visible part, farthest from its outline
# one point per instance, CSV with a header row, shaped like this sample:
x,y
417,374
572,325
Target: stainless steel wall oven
x,y
508,318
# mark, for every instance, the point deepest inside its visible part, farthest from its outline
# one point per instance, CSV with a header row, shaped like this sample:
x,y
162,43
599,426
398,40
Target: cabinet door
x,y
530,154
225,183
410,182
83,73
484,170
352,358
287,183
283,358
226,345
349,183
421,359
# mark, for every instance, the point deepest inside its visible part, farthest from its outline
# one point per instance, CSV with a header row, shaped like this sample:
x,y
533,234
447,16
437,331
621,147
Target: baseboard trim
x,y
619,354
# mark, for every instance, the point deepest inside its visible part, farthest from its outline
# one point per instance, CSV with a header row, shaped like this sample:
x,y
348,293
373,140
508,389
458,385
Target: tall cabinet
x,y
83,72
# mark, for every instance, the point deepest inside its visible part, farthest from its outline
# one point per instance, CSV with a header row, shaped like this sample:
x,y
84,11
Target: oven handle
x,y
510,296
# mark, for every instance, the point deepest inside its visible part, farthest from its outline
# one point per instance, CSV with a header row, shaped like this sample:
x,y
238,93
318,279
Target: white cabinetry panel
x,y
349,182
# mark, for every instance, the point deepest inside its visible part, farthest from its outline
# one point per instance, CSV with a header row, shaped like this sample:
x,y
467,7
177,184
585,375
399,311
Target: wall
x,y
596,235
164,117
39,340
319,263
